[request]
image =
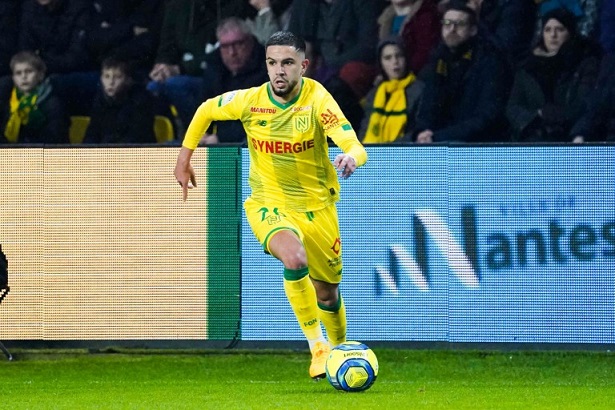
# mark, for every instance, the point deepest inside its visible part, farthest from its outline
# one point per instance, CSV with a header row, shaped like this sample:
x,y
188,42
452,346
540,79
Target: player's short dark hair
x,y
286,38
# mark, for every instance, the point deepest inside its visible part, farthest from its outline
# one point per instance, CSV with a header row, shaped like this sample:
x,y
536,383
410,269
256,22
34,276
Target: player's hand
x,y
184,174
345,164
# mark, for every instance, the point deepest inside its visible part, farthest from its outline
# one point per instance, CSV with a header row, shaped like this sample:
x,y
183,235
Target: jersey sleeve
x,y
338,128
226,107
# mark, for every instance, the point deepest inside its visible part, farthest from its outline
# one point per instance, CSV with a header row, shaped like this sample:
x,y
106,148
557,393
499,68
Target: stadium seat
x,y
163,129
78,126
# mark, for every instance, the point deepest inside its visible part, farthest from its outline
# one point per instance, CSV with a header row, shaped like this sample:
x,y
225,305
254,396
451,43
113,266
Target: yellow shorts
x,y
318,231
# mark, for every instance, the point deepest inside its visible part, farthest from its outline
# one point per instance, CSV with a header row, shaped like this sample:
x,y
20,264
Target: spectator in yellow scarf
x,y
391,105
32,113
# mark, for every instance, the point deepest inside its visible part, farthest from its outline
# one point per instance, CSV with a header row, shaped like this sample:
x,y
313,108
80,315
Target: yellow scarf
x,y
388,120
24,110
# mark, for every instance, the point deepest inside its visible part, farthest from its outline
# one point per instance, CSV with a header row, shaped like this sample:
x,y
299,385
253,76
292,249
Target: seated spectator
x,y
241,66
417,23
390,107
550,90
33,113
467,84
344,33
55,30
126,30
187,39
123,111
598,121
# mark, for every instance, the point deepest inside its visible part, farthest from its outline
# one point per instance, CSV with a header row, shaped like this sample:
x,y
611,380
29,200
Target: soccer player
x,y
294,185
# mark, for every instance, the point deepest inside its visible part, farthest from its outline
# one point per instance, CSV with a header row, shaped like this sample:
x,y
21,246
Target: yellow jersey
x,y
289,156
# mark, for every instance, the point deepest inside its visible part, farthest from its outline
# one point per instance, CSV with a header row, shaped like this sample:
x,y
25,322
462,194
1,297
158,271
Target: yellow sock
x,y
334,319
301,295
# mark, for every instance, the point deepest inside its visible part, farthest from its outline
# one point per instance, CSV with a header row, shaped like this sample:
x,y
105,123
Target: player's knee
x,y
295,260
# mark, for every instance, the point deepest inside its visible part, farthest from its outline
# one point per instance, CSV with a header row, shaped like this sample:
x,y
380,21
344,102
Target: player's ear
x,y
304,65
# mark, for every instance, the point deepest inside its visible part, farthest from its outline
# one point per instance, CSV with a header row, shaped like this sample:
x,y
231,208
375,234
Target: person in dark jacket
x,y
598,120
33,114
127,30
187,40
56,30
467,84
123,111
550,91
239,65
344,35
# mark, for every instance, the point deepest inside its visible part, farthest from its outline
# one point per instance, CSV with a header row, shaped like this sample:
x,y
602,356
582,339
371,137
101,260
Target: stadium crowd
x,y
403,71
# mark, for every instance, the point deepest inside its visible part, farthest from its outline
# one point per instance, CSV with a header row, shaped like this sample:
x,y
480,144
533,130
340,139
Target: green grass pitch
x,y
277,379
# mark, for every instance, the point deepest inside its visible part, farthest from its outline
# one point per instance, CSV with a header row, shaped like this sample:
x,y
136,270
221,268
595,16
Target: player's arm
x,y
345,137
225,107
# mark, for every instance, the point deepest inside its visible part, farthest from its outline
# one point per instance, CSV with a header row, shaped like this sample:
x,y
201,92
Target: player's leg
x,y
286,246
324,248
301,294
332,311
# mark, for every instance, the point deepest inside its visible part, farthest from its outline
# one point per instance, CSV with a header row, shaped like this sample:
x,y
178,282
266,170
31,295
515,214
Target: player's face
x,y
113,81
285,66
26,78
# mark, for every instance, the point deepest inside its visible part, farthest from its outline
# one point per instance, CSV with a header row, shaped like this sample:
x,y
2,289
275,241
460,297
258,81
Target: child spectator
x,y
32,112
123,111
391,106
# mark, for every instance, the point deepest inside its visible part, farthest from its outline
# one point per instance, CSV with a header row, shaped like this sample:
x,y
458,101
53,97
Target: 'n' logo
x,y
302,123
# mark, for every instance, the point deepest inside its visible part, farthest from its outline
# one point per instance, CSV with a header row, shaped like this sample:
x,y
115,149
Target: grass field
x,y
263,379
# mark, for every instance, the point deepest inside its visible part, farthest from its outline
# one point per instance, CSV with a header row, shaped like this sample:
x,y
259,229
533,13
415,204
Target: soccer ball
x,y
352,366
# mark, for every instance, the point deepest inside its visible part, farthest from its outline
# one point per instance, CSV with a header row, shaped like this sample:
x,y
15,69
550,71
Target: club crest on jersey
x,y
302,123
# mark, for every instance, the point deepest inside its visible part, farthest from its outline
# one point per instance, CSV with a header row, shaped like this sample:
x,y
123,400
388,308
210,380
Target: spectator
x,y
466,85
340,90
417,22
550,90
390,107
585,11
123,111
241,67
55,30
508,24
33,113
188,35
598,121
267,20
127,30
9,29
344,36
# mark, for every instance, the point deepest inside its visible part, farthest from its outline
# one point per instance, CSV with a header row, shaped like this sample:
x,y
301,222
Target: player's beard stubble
x,y
284,90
